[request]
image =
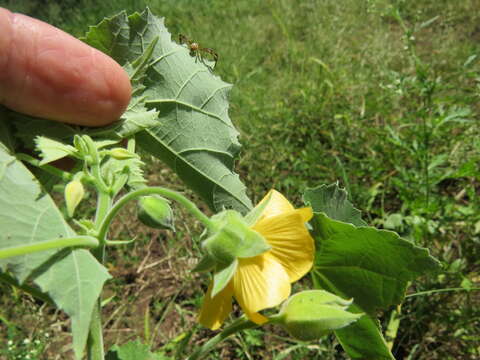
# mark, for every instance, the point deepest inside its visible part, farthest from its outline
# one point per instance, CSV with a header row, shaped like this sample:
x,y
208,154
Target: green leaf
x,y
308,315
114,170
28,128
332,200
133,350
75,283
372,266
193,134
72,278
363,340
52,150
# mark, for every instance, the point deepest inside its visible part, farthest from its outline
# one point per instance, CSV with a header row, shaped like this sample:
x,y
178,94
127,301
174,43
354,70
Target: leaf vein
x,y
193,107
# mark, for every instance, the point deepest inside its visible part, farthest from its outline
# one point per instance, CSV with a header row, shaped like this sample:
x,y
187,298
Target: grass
x,y
381,95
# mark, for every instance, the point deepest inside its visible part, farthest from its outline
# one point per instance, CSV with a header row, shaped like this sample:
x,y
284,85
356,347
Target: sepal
x,y
205,264
233,239
222,277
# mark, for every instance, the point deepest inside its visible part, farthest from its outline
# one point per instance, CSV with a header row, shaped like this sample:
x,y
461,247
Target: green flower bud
x,y
74,193
155,212
311,314
233,239
121,154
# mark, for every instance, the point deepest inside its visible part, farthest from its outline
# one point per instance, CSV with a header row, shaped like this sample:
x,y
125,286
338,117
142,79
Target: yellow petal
x,y
215,310
260,283
292,245
278,204
307,213
256,317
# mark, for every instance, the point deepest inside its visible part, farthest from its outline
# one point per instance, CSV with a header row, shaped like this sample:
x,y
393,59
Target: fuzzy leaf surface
x,y
52,150
72,278
193,133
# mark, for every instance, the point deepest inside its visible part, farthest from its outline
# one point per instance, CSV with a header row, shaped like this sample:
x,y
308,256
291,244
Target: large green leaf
x,y
194,134
75,283
371,266
72,278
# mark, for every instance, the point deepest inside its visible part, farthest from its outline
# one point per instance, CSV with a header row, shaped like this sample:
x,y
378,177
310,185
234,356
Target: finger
x,y
47,73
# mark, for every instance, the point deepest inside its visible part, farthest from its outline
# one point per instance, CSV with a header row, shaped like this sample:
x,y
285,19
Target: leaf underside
x,y
72,278
193,133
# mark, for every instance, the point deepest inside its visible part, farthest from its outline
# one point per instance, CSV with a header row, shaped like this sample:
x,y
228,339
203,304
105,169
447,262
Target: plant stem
x,y
392,327
85,241
5,278
241,323
98,180
48,168
436,291
95,347
190,206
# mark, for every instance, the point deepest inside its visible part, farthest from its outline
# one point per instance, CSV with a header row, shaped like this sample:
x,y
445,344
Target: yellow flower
x,y
263,281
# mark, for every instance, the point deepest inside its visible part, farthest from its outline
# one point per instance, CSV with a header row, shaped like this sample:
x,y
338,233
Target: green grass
x,y
336,90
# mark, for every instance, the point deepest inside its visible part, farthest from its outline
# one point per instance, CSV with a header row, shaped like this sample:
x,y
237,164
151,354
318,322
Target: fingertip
x,y
5,39
119,90
48,73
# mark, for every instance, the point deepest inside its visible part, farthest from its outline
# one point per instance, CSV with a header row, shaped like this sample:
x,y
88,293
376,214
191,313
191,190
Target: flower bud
x,y
311,314
155,212
74,193
121,154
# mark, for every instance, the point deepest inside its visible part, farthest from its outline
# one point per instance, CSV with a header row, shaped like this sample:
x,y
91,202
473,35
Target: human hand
x,y
45,72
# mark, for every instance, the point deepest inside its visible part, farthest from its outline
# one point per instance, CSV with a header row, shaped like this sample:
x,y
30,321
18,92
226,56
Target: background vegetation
x,y
381,95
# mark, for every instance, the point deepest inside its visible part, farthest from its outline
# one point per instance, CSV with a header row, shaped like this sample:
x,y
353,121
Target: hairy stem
x,y
64,175
5,278
95,350
95,347
84,241
190,206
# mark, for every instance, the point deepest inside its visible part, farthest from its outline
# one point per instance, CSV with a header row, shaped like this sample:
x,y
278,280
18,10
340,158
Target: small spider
x,y
198,51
